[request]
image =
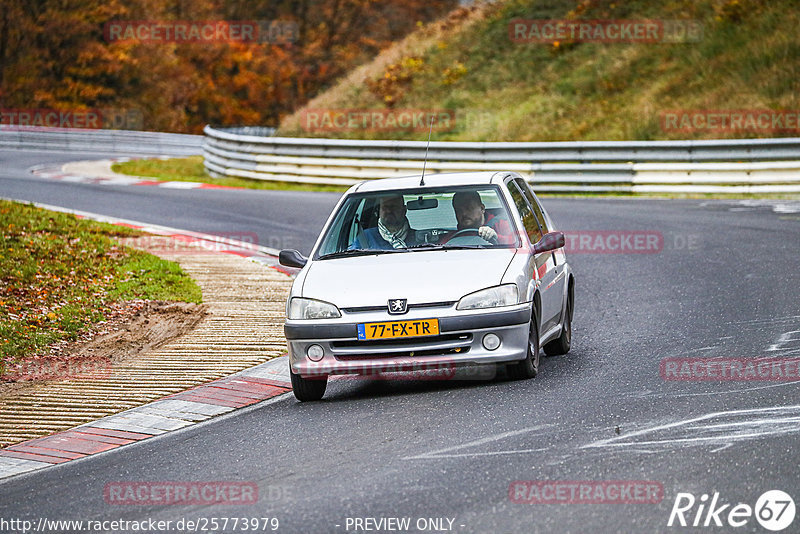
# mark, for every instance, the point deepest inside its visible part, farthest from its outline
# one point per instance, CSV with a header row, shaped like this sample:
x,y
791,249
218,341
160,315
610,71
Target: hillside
x,y
747,57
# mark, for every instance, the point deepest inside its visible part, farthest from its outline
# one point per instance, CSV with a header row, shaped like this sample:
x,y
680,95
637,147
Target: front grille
x,y
406,347
402,354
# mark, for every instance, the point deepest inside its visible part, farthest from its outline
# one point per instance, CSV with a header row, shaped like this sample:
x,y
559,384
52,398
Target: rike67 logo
x,y
774,510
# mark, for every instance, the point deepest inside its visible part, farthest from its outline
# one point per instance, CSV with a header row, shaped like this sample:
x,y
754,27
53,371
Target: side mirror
x,y
549,241
292,258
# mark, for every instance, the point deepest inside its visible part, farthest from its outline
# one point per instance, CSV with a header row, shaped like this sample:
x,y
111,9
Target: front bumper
x,y
459,343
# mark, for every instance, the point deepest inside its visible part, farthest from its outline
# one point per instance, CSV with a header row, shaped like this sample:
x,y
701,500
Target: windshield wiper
x,y
360,252
440,246
426,245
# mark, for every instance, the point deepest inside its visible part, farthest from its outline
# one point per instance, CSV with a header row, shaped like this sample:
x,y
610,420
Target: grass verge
x,y
191,169
59,275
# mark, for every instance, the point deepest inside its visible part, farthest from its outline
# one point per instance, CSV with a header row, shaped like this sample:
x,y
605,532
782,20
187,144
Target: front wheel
x,y
529,367
308,389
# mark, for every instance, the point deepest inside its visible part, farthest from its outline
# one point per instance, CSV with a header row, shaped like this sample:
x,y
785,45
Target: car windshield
x,y
418,220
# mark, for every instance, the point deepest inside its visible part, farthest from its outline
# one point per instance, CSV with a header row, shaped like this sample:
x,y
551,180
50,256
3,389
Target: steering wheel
x,y
467,232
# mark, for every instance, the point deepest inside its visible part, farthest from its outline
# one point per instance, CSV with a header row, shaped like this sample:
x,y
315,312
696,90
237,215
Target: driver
x,y
393,230
471,213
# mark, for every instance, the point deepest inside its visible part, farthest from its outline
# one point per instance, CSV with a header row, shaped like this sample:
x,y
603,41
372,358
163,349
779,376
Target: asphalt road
x,y
725,284
275,217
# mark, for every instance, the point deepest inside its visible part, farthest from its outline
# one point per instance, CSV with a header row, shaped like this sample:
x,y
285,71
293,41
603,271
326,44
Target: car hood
x,y
420,277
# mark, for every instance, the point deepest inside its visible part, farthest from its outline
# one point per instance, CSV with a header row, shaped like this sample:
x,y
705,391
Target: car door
x,y
550,274
542,264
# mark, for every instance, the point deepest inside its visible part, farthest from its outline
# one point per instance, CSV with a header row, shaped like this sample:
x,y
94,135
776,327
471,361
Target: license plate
x,y
395,329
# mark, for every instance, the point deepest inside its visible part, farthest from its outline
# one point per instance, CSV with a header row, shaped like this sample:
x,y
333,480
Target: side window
x,y
540,216
526,190
528,219
354,227
343,230
537,209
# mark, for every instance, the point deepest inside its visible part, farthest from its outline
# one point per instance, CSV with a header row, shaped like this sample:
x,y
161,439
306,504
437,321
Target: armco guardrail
x,y
104,141
715,166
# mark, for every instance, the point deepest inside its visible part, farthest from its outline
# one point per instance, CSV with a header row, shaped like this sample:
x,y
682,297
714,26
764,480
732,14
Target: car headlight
x,y
492,297
300,308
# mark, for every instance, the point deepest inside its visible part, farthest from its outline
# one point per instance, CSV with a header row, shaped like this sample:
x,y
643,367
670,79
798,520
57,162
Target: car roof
x,y
444,179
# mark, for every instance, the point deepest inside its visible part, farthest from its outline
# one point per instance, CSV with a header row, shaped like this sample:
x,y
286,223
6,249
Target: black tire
x,y
564,342
529,367
308,389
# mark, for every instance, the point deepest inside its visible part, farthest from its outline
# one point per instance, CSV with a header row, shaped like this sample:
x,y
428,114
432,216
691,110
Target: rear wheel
x,y
564,341
308,389
529,367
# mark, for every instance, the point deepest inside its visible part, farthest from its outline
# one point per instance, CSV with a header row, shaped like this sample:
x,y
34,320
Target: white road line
x,y
717,393
786,339
769,321
441,453
471,454
763,424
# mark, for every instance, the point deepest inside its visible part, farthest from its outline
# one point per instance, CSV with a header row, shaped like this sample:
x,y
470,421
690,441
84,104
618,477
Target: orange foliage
x,y
54,56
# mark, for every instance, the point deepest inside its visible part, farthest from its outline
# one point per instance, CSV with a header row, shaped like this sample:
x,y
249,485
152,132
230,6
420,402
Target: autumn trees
x,y
54,55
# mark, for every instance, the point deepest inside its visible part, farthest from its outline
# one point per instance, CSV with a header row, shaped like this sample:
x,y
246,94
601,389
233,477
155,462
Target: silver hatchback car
x,y
424,273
